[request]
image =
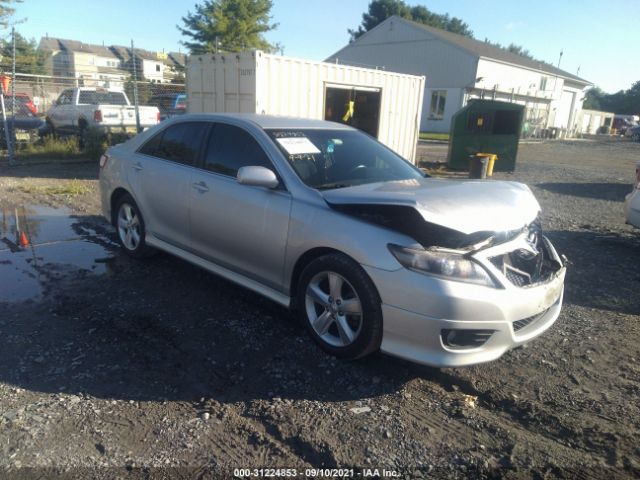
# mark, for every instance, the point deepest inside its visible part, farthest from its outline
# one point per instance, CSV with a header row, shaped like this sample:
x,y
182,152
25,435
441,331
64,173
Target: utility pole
x,y
13,79
135,87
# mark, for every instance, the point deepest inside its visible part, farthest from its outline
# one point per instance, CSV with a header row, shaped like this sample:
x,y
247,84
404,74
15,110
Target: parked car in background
x,y
632,202
170,104
621,123
21,99
109,111
323,218
27,126
633,133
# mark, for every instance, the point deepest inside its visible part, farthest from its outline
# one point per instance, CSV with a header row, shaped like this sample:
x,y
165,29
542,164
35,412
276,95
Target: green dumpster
x,y
486,126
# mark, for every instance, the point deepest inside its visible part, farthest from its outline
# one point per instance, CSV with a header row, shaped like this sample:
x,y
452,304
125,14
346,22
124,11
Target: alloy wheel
x,y
128,227
334,309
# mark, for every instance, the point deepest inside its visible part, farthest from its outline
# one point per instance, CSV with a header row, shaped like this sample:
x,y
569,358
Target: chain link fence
x,y
155,79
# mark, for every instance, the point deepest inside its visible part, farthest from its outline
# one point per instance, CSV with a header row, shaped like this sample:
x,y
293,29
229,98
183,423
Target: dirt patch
x,y
163,366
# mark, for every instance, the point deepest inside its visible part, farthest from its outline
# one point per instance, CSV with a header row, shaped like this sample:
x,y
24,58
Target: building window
x,y
543,83
157,68
438,99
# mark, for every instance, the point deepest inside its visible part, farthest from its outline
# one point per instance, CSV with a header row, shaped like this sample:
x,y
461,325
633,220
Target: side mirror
x,y
257,177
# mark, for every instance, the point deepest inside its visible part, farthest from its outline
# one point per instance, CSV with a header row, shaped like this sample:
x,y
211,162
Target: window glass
x,y
179,143
151,147
231,148
438,99
90,97
326,159
65,97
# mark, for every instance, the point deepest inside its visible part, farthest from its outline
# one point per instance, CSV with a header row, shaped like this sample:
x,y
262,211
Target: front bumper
x,y
632,208
417,308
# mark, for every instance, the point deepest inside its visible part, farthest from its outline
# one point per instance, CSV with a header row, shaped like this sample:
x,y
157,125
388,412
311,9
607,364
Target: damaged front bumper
x,y
446,323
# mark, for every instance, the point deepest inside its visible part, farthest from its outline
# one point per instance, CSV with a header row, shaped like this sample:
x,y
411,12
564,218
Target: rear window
x,y
89,97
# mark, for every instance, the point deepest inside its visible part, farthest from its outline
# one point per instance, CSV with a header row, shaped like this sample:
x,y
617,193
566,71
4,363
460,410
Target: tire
x,y
51,130
130,228
82,134
329,288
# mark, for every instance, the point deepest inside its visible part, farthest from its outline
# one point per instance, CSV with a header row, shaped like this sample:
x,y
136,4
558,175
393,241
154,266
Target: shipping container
x,y
384,104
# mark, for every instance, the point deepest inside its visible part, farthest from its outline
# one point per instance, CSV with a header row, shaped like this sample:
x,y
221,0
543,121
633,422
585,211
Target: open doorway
x,y
358,107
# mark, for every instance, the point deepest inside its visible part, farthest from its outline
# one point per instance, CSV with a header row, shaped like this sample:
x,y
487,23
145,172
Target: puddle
x,y
41,246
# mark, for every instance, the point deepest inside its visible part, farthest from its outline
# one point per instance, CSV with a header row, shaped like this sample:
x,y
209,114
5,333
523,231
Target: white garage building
x,y
458,68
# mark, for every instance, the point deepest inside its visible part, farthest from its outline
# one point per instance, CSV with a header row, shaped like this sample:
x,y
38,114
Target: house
x,y
109,66
459,69
90,65
175,65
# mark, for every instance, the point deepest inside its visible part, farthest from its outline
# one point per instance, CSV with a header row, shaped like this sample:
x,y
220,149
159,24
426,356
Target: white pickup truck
x,y
79,109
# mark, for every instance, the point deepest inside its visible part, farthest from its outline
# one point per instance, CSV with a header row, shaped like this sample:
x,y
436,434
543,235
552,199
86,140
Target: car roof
x,y
269,121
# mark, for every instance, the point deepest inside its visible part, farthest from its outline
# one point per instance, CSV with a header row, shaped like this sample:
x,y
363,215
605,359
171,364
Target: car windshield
x,y
326,159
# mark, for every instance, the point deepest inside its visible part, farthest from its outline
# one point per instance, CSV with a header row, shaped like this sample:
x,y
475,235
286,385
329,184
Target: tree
x,y
593,99
380,10
518,50
28,58
144,91
228,25
7,11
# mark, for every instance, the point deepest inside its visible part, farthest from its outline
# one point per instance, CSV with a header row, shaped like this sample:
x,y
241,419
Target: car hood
x,y
467,206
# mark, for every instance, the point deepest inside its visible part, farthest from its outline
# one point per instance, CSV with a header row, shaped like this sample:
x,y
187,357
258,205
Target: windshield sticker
x,y
297,145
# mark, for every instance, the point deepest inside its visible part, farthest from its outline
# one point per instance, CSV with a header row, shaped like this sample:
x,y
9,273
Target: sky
x,y
595,36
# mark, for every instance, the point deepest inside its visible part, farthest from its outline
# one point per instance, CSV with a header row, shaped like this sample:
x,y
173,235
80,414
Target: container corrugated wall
x,y
255,82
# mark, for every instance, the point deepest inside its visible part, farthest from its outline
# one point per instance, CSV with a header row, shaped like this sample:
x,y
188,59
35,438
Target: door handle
x,y
137,166
201,187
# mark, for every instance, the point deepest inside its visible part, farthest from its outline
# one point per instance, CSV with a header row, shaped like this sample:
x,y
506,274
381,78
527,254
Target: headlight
x,y
449,265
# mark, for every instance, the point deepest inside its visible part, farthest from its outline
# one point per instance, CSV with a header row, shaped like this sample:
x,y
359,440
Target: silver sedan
x,y
322,218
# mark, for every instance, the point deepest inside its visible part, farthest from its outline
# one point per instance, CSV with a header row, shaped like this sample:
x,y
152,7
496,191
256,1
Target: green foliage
x,y
144,92
624,102
7,11
235,24
28,58
592,99
380,10
51,148
96,142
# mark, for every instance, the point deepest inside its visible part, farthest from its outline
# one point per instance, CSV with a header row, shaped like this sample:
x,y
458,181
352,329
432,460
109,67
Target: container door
x,y
355,106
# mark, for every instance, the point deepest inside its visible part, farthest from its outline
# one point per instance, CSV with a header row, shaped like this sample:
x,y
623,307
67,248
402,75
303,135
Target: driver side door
x,y
240,227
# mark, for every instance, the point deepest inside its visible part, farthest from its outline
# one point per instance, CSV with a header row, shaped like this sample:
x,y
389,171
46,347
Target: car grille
x,y
523,267
518,325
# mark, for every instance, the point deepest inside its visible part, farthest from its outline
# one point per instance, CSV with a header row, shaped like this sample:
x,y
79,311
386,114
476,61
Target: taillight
x,y
103,160
158,117
97,116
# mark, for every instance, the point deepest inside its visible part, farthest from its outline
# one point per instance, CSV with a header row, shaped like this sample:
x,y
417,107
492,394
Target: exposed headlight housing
x,y
444,264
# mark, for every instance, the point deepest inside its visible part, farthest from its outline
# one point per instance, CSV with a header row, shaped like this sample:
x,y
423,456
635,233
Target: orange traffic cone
x,y
5,81
24,240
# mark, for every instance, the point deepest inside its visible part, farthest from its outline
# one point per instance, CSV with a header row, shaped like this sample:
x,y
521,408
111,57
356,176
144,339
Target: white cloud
x,y
514,25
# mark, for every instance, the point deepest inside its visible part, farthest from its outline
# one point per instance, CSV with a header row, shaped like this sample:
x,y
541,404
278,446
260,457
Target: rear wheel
x,y
130,228
82,135
340,307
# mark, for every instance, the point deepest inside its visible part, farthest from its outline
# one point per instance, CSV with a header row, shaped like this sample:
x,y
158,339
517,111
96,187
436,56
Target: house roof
x,y
179,59
487,50
52,44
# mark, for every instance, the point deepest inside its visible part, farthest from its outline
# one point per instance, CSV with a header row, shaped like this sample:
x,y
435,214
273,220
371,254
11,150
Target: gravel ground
x,y
129,369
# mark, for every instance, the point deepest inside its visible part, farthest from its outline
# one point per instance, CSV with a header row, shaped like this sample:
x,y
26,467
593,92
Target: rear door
x,y
161,175
243,228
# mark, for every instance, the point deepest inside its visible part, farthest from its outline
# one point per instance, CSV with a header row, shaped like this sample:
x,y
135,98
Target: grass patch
x,y
51,148
72,188
434,136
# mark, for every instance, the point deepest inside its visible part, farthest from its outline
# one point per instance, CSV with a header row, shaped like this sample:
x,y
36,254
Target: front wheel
x,y
340,307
